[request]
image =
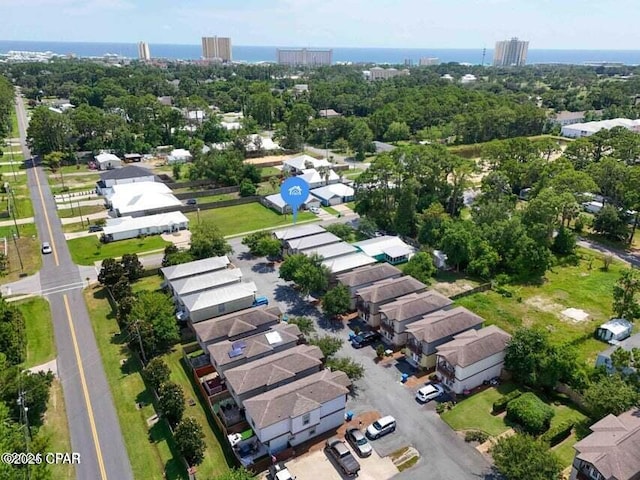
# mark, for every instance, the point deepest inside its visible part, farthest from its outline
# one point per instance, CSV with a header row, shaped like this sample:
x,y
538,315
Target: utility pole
x,y
24,420
80,214
13,207
15,242
144,357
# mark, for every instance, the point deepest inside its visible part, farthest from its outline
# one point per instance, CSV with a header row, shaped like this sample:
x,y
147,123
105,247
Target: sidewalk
x,y
83,203
19,221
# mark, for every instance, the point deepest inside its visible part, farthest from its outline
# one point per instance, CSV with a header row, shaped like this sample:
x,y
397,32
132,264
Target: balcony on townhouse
x,y
387,327
446,369
415,346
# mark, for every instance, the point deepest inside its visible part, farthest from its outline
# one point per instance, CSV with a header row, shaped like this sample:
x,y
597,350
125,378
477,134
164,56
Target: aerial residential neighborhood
x,y
227,262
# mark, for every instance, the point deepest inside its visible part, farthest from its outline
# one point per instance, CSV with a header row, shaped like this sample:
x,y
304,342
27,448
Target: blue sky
x,y
563,24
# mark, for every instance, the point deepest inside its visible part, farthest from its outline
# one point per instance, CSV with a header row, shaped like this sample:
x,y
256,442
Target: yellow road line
x,y
46,216
83,381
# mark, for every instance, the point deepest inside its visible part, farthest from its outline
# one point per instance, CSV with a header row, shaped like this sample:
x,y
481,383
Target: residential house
x,y
107,161
382,147
297,165
471,358
386,248
192,269
397,315
567,118
297,245
273,371
140,198
235,326
334,194
233,353
121,228
179,155
611,451
206,281
364,276
297,412
316,179
604,358
213,303
425,335
371,298
276,202
329,113
614,330
119,176
298,232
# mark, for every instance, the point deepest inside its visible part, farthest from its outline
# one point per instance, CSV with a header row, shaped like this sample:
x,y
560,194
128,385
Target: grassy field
x,y
24,207
217,198
75,212
18,165
56,428
74,227
87,250
151,449
585,285
28,250
150,283
270,172
15,133
245,218
40,341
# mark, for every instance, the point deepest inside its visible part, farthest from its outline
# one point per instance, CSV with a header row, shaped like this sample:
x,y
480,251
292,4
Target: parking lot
x,y
444,454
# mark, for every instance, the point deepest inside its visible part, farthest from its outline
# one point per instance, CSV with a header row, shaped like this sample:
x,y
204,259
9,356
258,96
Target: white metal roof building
x,y
107,161
304,162
334,194
129,227
315,179
179,155
297,232
197,267
386,248
276,202
218,301
304,243
332,250
587,129
206,281
345,263
135,199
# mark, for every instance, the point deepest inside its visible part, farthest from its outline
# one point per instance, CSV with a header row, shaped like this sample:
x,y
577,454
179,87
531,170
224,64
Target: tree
x,y
268,247
328,345
311,277
111,272
121,289
36,390
54,160
456,244
336,301
133,269
189,438
397,131
610,223
360,138
564,242
207,241
175,256
156,372
48,131
171,402
353,369
342,230
305,324
152,319
247,188
421,267
13,344
291,265
626,295
610,394
521,457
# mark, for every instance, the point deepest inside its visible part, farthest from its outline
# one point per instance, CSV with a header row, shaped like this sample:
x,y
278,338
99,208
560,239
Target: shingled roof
x,y
368,274
443,323
614,446
474,345
390,289
242,323
414,305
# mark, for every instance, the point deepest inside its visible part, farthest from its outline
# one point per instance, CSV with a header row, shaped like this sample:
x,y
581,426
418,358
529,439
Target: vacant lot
x,y
25,249
584,286
39,330
88,250
245,218
56,428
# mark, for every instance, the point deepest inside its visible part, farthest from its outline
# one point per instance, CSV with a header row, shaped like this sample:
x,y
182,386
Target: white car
x,y
429,392
46,248
381,427
315,210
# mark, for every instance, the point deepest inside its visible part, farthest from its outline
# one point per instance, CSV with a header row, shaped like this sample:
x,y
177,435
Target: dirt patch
x,y
544,305
453,288
268,159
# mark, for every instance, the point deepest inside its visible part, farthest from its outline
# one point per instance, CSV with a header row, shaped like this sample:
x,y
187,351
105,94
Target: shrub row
x,y
531,413
558,433
500,405
476,436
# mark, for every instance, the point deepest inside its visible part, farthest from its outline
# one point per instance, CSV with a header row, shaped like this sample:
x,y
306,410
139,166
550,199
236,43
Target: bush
x,y
500,405
531,413
475,436
556,434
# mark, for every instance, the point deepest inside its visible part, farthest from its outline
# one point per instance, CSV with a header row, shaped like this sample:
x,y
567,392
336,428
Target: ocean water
x,y
373,55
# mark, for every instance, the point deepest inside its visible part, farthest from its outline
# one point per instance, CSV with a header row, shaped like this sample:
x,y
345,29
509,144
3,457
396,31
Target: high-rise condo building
x,y
304,57
143,52
510,53
217,48
426,61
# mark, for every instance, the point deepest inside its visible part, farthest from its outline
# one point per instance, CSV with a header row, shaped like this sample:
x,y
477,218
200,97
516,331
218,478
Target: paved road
x,y
95,430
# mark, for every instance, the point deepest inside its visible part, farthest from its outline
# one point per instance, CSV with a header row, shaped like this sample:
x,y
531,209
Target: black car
x,y
95,228
191,201
364,339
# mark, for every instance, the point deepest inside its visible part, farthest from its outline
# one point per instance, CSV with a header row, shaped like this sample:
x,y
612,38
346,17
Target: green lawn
x,y
25,248
565,451
56,429
245,218
152,282
217,198
351,205
15,132
18,166
331,210
39,329
151,450
270,172
87,250
474,412
75,212
585,286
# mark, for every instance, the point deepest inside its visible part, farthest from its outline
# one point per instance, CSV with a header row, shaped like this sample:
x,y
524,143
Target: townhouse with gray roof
x,y
371,298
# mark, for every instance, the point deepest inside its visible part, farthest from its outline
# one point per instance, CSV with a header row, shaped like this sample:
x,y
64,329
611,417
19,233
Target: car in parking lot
x,y
337,449
46,248
279,472
429,392
381,427
365,338
358,442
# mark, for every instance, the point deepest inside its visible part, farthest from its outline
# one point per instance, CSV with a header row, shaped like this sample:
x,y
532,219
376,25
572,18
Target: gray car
x,y
358,442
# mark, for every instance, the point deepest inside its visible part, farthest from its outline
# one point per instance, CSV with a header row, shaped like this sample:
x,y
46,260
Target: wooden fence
x,y
206,193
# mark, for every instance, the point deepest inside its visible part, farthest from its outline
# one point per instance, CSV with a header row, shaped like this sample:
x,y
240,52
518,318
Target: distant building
x,y
577,130
379,73
567,118
468,78
107,161
426,61
304,57
510,53
217,49
143,52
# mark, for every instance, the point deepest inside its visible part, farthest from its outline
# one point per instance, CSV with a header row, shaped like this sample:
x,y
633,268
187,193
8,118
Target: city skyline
x,y
330,24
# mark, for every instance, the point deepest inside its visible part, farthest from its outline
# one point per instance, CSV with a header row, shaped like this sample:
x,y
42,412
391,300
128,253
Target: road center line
x,y
46,215
85,391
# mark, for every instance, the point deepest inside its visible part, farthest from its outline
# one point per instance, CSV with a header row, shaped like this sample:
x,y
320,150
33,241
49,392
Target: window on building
x,y
221,308
312,432
306,419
